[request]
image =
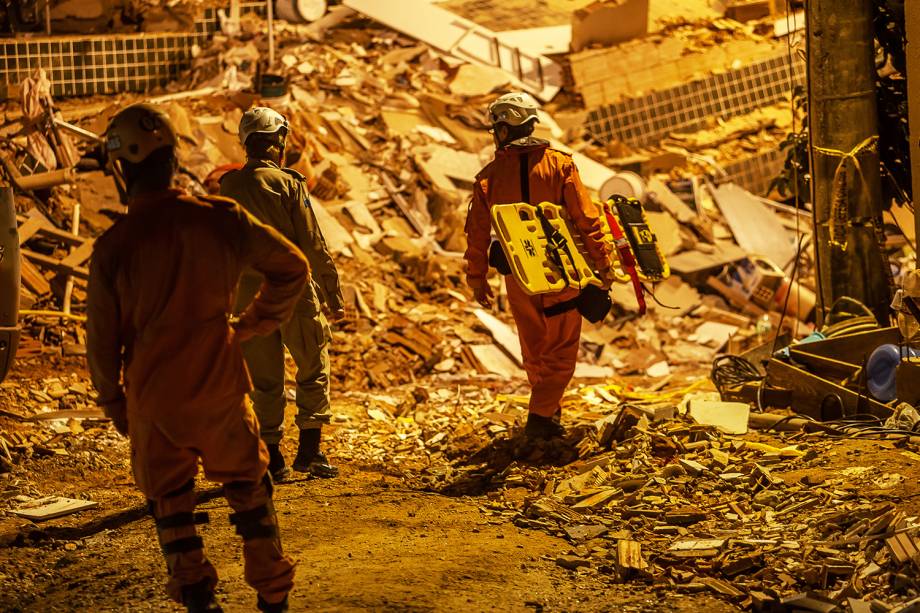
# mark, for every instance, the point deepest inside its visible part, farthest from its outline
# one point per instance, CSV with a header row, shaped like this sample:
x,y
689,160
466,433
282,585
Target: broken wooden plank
x,y
33,278
629,556
495,361
503,334
52,263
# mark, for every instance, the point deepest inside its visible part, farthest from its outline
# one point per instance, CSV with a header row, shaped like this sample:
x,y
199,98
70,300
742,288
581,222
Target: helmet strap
x,y
117,171
506,134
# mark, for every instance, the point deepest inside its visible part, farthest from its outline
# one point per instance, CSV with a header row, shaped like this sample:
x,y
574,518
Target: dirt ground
x,y
361,545
363,542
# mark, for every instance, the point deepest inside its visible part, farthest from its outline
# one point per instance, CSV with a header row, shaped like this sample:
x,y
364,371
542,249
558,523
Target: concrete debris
x,y
52,507
672,502
658,479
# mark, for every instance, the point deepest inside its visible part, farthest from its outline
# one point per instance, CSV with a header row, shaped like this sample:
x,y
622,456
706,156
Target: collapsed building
x,y
688,109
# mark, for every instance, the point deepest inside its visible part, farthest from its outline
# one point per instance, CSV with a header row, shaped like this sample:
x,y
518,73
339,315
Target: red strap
x,y
626,258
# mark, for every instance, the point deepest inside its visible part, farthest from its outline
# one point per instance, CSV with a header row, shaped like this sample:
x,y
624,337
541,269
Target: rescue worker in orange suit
x,y
278,197
165,356
522,163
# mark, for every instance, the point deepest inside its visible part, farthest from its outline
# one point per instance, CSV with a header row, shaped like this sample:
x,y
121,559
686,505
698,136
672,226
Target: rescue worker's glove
x,y
117,411
606,276
249,324
482,292
121,424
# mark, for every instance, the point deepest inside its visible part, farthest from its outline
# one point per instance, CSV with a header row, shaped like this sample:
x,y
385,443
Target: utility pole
x,y
912,23
846,186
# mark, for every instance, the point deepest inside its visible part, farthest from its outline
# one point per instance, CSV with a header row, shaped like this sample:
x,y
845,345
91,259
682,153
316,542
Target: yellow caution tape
x,y
839,219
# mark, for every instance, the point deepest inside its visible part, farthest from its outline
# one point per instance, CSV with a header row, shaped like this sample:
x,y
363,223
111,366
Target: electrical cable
x,y
732,371
795,182
795,270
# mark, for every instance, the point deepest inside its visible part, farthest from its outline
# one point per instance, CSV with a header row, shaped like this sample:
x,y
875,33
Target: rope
x,y
839,218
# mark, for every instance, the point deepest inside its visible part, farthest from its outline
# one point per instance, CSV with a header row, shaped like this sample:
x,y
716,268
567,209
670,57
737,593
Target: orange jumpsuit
x,y
163,356
549,344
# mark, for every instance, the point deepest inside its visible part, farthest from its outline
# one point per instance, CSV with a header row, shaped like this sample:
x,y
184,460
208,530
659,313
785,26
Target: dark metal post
x,y
846,188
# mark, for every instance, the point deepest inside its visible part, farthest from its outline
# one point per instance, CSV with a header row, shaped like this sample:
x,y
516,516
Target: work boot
x,y
277,607
310,459
543,428
277,467
199,598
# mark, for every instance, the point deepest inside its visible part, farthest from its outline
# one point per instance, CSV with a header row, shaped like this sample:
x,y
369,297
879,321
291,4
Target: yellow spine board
x,y
524,242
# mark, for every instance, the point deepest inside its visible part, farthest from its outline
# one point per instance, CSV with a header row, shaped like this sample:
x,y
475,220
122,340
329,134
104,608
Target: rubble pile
x,y
390,149
49,417
388,132
643,492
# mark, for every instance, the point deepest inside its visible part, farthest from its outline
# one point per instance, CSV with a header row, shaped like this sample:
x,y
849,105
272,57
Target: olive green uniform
x,y
278,197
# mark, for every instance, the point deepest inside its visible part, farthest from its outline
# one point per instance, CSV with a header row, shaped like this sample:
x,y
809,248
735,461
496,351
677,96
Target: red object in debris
x,y
212,181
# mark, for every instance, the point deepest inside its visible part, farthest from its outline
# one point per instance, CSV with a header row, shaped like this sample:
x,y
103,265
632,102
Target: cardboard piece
x,y
51,507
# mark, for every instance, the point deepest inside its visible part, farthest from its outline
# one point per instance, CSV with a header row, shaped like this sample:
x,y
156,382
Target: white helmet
x,y
514,109
261,120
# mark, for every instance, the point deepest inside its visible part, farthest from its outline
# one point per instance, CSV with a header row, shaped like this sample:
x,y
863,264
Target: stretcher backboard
x,y
525,244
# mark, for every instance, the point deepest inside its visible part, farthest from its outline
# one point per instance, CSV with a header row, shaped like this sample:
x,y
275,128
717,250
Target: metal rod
x,y
271,32
75,230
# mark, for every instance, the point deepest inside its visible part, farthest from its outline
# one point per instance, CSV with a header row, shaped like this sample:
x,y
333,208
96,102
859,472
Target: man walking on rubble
x,y
278,197
166,359
526,169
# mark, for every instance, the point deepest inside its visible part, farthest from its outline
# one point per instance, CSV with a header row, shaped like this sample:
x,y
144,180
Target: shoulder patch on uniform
x,y
294,174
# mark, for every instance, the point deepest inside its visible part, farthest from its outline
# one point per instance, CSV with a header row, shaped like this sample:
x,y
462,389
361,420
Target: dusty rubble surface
x,y
442,505
368,540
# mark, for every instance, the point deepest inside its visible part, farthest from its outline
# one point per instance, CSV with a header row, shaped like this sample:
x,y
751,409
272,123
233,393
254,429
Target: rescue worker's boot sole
x,y
540,428
277,607
199,598
310,459
277,467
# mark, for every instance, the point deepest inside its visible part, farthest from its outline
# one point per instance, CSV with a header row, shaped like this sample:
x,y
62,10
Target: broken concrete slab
x,y
756,228
51,507
477,80
496,361
465,40
503,334
608,22
728,417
